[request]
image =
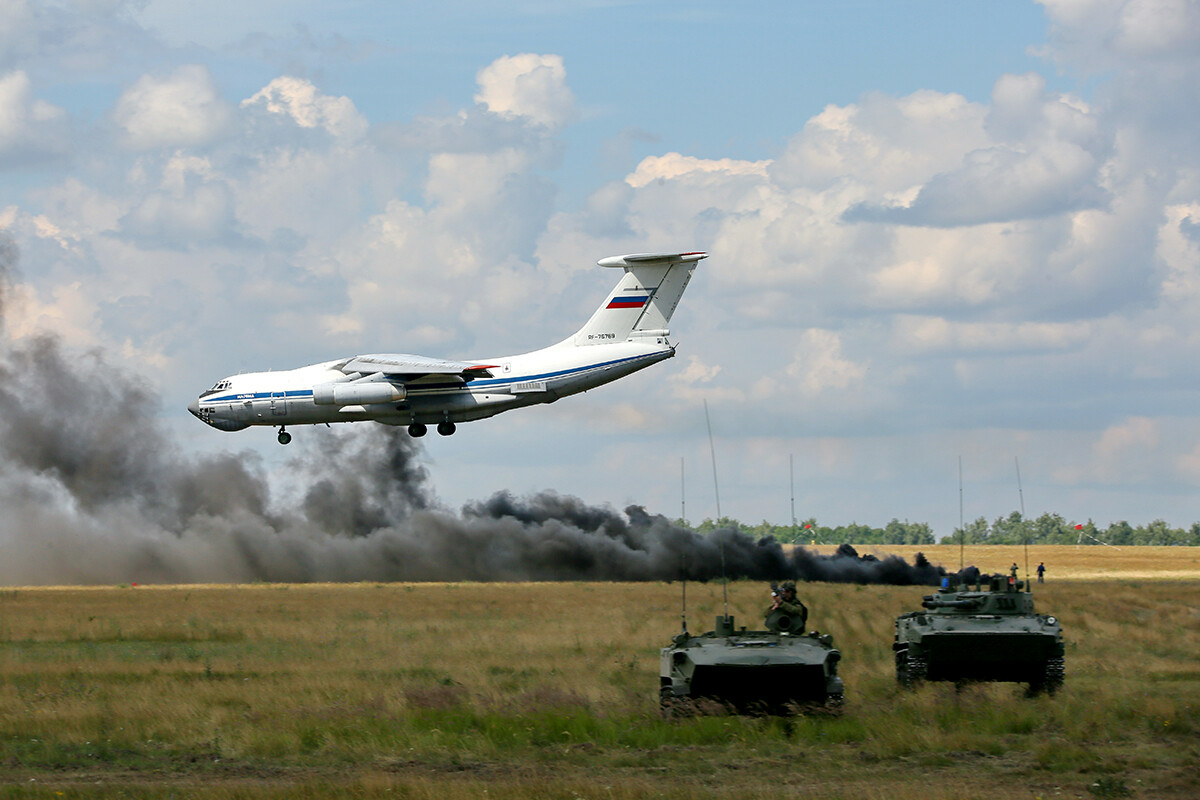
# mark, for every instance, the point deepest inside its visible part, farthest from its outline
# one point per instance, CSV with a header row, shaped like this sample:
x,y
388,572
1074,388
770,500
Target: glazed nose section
x,y
194,407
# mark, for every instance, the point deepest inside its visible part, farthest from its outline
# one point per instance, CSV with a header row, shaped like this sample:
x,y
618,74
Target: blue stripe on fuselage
x,y
242,396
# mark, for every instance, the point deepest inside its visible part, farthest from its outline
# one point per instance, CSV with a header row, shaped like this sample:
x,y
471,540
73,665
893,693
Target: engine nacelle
x,y
352,394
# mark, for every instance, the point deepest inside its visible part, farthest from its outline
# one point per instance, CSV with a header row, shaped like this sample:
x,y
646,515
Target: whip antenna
x,y
717,491
1024,526
713,451
683,616
724,582
962,531
683,576
682,494
792,479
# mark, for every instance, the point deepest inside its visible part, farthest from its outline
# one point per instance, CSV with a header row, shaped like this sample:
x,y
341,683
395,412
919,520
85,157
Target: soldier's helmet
x,y
788,585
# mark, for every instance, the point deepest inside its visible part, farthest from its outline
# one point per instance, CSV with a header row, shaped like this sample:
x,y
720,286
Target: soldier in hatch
x,y
784,600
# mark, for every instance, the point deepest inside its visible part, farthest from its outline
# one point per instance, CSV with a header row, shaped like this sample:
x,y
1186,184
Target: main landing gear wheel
x,y
417,430
284,437
446,428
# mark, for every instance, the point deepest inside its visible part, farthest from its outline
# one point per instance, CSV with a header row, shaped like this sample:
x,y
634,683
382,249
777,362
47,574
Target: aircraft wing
x,y
412,367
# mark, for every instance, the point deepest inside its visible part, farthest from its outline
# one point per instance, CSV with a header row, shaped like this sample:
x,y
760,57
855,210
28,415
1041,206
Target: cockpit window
x,y
221,385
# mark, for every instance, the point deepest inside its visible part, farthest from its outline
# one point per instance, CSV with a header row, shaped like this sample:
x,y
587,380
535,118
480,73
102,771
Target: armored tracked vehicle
x,y
989,633
776,671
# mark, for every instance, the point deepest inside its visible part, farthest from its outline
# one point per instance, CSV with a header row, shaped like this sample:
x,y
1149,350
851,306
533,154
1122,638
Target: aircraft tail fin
x,y
644,299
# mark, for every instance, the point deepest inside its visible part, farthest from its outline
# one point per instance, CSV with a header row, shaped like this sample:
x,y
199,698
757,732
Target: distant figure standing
x,y
1041,572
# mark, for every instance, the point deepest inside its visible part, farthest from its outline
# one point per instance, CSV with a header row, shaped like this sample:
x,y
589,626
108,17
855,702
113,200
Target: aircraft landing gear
x,y
446,428
284,437
417,430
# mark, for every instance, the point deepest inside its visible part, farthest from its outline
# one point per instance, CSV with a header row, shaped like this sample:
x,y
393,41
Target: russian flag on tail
x,y
629,301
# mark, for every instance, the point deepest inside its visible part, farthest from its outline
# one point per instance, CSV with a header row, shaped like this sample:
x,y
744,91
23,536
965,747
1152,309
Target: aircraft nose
x,y
194,407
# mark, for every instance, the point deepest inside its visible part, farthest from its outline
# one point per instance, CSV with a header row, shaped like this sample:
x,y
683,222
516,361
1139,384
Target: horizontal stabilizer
x,y
650,258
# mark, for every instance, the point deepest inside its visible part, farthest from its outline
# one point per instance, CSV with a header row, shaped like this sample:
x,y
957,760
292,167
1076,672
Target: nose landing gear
x,y
284,437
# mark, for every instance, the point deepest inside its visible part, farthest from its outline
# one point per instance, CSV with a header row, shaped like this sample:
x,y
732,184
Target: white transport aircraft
x,y
627,333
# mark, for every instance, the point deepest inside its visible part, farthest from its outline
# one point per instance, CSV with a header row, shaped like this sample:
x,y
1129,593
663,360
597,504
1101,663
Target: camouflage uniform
x,y
792,607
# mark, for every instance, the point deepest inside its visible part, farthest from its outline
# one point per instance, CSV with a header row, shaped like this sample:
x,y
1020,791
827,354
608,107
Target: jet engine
x,y
353,394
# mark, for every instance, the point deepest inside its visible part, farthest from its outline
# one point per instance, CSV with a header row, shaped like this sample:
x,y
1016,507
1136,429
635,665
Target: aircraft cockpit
x,y
219,386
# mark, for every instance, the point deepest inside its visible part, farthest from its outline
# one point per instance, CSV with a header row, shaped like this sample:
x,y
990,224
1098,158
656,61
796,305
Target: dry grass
x,y
1063,562
549,690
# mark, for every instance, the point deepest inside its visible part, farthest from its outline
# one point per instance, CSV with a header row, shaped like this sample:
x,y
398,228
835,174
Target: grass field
x,y
1063,562
550,690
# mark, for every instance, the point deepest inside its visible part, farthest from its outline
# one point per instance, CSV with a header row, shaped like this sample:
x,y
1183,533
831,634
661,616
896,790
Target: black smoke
x,y
847,566
94,490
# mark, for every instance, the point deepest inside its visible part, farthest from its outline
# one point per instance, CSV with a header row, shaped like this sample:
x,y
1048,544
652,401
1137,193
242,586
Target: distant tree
x,y
906,532
1053,529
1159,532
976,532
1013,529
709,525
766,529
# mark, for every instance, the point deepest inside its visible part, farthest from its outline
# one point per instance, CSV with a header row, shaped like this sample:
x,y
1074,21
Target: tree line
x,y
1053,529
810,532
1013,529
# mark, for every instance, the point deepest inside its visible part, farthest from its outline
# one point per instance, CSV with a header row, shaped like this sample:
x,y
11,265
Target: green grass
x,y
550,690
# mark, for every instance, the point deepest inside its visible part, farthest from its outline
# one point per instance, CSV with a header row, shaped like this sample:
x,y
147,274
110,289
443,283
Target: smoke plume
x,y
95,491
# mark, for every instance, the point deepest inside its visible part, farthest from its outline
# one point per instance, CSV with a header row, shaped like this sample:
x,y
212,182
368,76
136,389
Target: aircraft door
x,y
278,404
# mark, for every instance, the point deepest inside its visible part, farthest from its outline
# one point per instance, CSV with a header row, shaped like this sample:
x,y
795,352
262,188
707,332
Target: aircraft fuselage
x,y
289,397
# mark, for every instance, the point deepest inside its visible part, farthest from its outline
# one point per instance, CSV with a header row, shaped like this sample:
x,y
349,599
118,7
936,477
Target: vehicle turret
x,y
780,670
988,631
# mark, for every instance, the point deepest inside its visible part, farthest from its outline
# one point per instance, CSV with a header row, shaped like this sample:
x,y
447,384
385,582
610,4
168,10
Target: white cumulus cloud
x,y
301,101
183,109
674,165
29,128
821,366
527,85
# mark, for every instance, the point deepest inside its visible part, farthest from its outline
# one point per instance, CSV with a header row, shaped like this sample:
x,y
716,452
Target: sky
x,y
940,233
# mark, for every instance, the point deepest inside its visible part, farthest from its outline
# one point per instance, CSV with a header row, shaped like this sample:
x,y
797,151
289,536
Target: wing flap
x,y
411,366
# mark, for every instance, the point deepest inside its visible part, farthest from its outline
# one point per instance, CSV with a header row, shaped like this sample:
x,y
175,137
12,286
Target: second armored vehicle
x,y
990,633
774,671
